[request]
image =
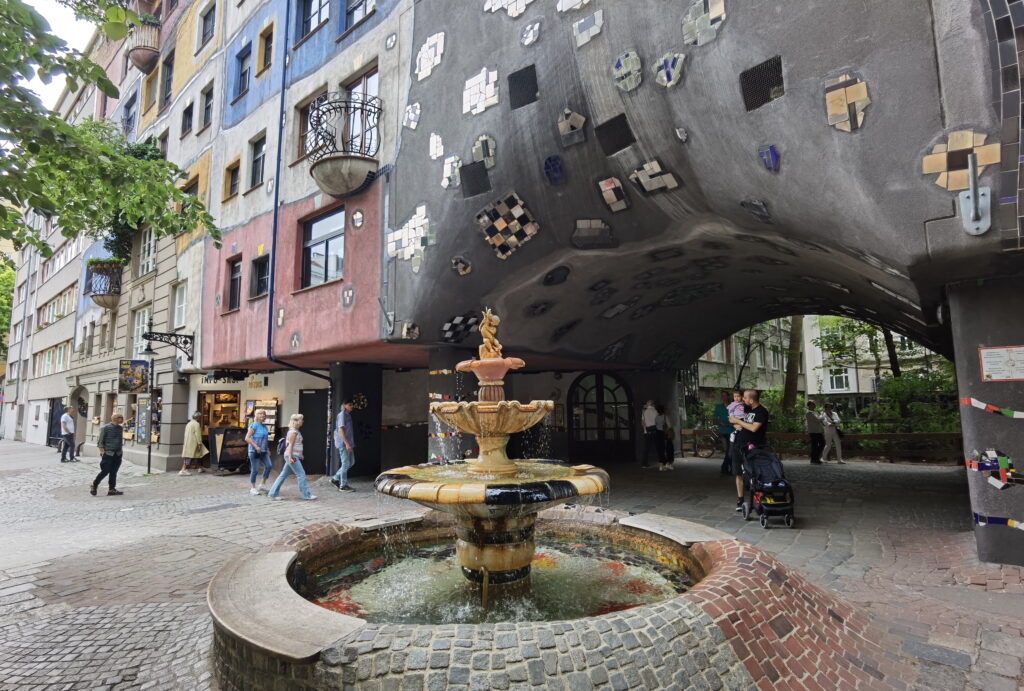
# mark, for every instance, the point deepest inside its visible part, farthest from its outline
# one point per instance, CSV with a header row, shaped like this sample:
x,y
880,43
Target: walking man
x,y
649,419
345,443
751,430
67,433
816,432
109,443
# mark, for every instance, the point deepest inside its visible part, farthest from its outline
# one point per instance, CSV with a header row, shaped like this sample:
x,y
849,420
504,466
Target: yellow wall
x,y
201,168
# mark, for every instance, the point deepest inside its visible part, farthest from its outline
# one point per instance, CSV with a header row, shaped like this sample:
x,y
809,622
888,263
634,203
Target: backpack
x,y
282,444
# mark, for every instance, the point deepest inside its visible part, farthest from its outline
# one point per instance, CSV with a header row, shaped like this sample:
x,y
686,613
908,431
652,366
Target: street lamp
x,y
182,342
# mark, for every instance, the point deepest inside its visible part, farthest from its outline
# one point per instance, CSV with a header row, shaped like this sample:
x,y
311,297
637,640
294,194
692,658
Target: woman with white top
x,y
292,461
830,419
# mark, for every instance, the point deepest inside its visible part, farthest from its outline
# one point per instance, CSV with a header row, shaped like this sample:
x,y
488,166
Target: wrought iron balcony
x,y
345,139
105,285
143,46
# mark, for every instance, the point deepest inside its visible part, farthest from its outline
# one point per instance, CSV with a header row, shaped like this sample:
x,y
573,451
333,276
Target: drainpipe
x,y
21,341
273,244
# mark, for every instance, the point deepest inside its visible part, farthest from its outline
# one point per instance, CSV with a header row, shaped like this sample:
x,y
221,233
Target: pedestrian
x,y
258,439
345,443
109,442
751,431
192,450
648,418
833,433
67,433
725,430
292,461
669,446
815,431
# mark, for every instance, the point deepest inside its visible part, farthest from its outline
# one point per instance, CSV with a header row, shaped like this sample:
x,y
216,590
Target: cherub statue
x,y
491,348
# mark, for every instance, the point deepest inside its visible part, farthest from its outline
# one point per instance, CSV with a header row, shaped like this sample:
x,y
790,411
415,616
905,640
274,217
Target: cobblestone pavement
x,y
109,592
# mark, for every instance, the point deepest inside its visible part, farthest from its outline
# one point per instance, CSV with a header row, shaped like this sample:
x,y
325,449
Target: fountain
x,y
494,500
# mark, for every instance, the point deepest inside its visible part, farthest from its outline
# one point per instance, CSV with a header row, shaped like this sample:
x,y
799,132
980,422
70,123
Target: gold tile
x,y
942,179
979,139
933,163
939,148
961,139
835,103
844,126
857,92
957,180
988,155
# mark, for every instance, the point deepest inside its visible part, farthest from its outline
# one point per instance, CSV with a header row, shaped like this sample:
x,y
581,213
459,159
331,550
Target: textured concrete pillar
x,y
445,384
991,314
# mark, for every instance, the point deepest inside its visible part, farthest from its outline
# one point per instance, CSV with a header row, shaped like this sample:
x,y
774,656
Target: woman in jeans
x,y
830,418
258,438
292,461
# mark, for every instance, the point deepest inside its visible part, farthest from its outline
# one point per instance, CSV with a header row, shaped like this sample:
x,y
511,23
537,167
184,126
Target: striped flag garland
x,y
989,408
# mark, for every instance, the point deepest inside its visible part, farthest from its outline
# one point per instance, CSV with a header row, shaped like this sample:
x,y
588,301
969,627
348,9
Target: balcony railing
x,y
345,141
143,46
105,288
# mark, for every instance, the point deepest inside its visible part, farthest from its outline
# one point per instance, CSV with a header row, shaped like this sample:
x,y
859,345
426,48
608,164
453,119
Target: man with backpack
x,y
751,431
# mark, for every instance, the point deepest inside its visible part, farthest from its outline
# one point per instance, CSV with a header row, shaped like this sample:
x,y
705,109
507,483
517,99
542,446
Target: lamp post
x,y
182,342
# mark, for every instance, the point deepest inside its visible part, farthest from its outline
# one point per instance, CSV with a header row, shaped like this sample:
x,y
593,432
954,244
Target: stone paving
x,y
109,592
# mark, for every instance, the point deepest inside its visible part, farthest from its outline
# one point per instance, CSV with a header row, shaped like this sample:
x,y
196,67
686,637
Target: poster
x,y
1002,364
142,415
133,376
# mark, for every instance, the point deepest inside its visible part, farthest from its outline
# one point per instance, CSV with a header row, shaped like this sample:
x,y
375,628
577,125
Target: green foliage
x,y
783,420
6,302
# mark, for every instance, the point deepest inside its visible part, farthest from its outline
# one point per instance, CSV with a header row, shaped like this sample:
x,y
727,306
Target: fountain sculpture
x,y
494,500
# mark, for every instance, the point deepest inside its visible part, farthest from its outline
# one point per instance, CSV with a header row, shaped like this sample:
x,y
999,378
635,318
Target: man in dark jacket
x,y
109,443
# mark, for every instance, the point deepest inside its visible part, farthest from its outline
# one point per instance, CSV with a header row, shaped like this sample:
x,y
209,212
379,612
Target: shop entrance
x,y
601,419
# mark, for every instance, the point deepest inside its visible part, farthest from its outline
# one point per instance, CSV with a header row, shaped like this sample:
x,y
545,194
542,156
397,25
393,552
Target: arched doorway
x,y
600,419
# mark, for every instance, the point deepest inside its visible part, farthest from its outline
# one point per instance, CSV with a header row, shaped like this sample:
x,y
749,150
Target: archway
x,y
601,419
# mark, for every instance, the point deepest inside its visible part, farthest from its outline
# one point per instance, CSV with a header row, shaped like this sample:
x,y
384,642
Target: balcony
x,y
143,46
343,157
105,284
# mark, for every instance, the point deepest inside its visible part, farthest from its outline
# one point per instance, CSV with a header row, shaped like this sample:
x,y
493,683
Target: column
x,y
362,383
445,384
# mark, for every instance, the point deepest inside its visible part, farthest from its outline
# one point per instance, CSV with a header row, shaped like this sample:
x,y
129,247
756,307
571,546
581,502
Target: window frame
x,y
243,65
351,23
308,244
187,118
234,290
150,88
236,168
147,252
180,297
208,104
261,157
306,24
139,327
353,93
264,57
129,116
304,145
167,80
205,37
257,267
839,374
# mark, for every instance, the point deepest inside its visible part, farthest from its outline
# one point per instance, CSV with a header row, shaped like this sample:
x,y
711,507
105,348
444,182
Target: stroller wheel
x,y
746,511
789,520
764,520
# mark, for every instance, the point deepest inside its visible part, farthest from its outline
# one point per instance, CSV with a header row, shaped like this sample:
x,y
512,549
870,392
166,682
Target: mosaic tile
x,y
668,70
348,296
642,311
456,329
685,295
616,310
475,179
592,234
950,160
429,56
835,285
617,351
846,98
554,171
436,146
409,241
461,265
651,178
531,32
894,295
570,128
410,331
559,333
513,8
412,116
702,20
585,29
484,149
758,208
682,135
627,71
450,172
480,92
769,156
613,194
507,224
390,41
569,5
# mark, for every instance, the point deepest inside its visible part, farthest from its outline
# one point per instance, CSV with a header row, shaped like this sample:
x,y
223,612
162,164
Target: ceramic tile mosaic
x,y
569,5
668,70
480,92
613,194
769,156
409,240
390,41
531,32
592,234
617,351
513,8
758,208
702,20
436,146
687,294
456,329
450,172
949,160
682,135
570,127
588,27
484,149
651,178
461,265
825,282
429,56
412,116
846,98
627,71
507,225
554,171
893,294
348,296
616,310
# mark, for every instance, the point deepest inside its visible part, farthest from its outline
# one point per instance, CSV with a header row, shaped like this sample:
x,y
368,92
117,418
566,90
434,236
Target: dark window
x,y
259,276
323,248
192,188
149,91
762,83
357,11
313,13
167,80
361,133
171,4
234,284
209,21
162,144
615,134
307,138
231,188
244,62
258,149
266,48
522,87
208,105
128,118
186,119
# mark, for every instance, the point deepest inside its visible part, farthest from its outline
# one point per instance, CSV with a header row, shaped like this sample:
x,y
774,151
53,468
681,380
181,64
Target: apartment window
x,y
231,175
207,98
234,284
209,20
180,302
307,138
258,151
357,11
128,117
266,48
161,143
147,251
259,276
360,132
62,357
313,13
191,189
186,120
323,250
717,353
167,80
244,63
140,325
776,357
149,91
48,362
839,379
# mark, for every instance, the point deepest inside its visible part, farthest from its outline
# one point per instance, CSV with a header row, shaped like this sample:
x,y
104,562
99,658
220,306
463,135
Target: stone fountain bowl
x,y
491,419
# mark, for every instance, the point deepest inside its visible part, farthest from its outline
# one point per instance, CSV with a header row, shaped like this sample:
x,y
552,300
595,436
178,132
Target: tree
x,y
842,341
793,358
83,174
6,302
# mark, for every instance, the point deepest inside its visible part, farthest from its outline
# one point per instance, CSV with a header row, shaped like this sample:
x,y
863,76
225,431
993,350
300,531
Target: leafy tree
x,y
794,356
6,302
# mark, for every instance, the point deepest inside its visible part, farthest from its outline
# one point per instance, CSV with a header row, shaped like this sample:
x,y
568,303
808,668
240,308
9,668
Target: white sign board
x,y
1002,364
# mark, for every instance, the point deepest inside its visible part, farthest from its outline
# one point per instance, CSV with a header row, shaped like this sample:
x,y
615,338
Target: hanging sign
x,y
133,376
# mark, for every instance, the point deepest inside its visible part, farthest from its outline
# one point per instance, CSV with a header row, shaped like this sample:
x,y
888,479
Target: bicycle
x,y
706,441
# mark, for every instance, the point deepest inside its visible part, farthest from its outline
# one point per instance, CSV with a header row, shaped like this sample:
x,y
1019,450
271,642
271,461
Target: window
x,y
323,250
171,4
128,116
776,357
307,138
243,61
313,13
140,325
207,99
266,48
48,362
191,189
259,276
180,302
186,120
162,144
234,284
360,129
258,151
209,20
357,11
717,353
839,379
167,80
147,251
231,180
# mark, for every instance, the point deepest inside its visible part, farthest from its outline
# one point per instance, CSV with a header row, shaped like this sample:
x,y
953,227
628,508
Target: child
x,y
735,409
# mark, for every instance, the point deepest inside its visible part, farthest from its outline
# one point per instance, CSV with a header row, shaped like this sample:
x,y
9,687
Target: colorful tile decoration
x,y
613,194
989,408
484,149
480,92
456,329
592,234
409,241
531,32
429,56
554,171
450,172
585,29
461,265
998,520
569,5
507,224
846,98
628,71
949,161
999,466
436,146
651,178
570,127
702,20
412,116
668,70
513,8
769,156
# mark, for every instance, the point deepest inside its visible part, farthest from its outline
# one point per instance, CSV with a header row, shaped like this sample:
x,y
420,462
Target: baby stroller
x,y
768,491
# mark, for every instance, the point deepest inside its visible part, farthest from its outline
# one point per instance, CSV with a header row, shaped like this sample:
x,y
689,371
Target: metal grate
x,y
615,134
522,87
762,83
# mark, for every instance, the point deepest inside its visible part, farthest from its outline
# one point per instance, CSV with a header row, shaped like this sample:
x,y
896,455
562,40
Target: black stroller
x,y
768,493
